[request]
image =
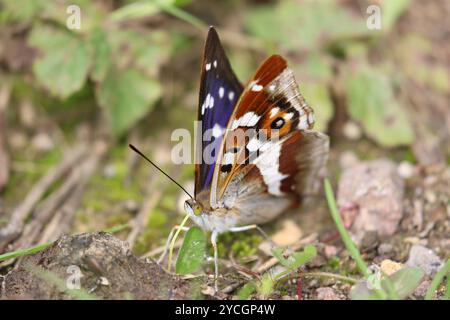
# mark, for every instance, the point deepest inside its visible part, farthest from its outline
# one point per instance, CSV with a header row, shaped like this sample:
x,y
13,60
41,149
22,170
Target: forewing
x,y
219,91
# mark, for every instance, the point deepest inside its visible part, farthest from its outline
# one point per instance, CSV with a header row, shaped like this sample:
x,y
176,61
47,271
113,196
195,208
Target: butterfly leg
x,y
169,239
214,235
250,227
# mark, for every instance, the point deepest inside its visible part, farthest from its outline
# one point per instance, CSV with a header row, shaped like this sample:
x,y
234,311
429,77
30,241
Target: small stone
x,y
327,293
288,235
390,267
209,291
352,131
430,196
131,206
42,142
377,191
330,251
406,170
424,258
104,281
109,171
385,249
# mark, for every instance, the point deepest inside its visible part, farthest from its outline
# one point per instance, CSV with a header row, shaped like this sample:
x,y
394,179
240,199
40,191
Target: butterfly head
x,y
193,208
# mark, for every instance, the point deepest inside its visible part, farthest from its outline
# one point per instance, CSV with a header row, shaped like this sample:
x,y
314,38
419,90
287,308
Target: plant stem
x,y
437,280
24,252
321,275
172,242
348,242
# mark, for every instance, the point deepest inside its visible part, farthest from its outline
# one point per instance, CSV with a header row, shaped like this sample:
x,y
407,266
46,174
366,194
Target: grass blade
x,y
348,242
445,270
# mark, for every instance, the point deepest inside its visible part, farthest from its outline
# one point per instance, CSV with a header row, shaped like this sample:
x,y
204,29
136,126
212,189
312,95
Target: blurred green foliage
x,y
125,61
121,61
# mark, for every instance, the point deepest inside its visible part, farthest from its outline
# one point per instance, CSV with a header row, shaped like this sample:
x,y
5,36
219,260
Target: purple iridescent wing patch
x,y
219,91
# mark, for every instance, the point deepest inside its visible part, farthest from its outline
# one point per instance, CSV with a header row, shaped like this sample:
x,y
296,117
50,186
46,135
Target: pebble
x,y
385,249
424,258
406,170
330,251
42,142
104,281
390,267
289,234
327,293
377,190
352,131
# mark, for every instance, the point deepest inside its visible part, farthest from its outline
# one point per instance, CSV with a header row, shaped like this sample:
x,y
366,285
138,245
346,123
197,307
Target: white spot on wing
x,y
206,103
311,118
215,63
228,158
217,131
248,120
256,87
208,66
274,111
288,116
254,144
221,92
230,95
303,122
268,165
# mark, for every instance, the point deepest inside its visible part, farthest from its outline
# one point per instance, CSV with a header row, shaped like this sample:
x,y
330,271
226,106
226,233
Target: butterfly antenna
x,y
143,156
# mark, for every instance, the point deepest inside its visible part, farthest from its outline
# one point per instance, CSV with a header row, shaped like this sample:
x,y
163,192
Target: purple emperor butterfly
x,y
265,157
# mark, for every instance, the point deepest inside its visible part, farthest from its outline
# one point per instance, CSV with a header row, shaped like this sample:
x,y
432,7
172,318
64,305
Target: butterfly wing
x,y
219,92
266,188
263,165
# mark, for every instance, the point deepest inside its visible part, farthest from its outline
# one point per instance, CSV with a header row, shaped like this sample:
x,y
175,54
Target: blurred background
x,y
76,89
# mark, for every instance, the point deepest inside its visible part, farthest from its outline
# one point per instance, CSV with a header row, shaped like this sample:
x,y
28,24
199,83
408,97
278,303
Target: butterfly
x,y
252,180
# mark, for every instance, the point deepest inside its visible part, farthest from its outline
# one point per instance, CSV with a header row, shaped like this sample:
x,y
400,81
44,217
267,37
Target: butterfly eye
x,y
197,209
277,123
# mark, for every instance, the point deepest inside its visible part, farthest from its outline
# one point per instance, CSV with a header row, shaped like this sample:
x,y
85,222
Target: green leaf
x,y
141,50
245,292
318,97
443,271
297,259
391,11
404,282
92,15
265,287
314,76
360,291
371,101
101,54
307,24
22,10
137,10
63,62
127,96
192,252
